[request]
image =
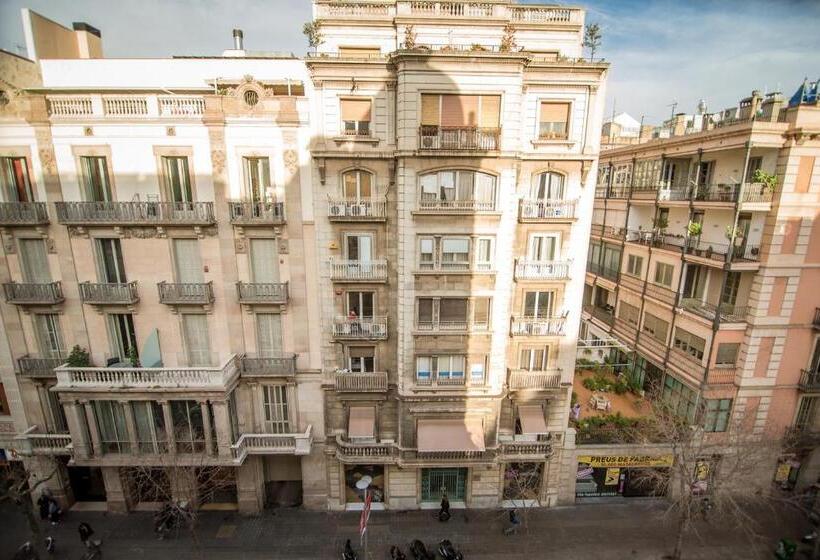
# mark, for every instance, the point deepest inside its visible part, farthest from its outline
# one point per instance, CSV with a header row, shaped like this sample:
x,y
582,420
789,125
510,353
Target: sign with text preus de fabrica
x,y
626,460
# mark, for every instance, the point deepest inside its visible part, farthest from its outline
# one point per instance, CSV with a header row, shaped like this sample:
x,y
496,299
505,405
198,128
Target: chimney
x,y
237,40
772,106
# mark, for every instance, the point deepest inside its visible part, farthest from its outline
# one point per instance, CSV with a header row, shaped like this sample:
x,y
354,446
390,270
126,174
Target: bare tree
x,y
592,39
18,486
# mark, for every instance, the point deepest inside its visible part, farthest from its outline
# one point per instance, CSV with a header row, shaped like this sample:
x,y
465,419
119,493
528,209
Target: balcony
x,y
546,210
109,293
611,232
372,328
31,443
365,453
721,376
356,210
604,314
456,138
23,214
135,213
33,367
717,193
272,444
125,106
269,366
354,382
50,293
809,381
728,313
601,270
757,193
526,449
264,293
449,326
354,10
534,270
342,270
661,293
257,213
213,378
186,294
528,380
537,326
439,266
437,206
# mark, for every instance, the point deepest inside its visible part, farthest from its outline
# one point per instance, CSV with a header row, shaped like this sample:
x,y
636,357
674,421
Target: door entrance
x,y
437,482
87,484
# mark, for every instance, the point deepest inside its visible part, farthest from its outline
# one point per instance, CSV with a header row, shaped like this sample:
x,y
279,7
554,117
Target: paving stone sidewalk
x,y
633,530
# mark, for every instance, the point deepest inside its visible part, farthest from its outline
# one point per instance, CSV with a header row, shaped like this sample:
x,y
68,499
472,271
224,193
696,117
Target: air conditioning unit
x,y
337,210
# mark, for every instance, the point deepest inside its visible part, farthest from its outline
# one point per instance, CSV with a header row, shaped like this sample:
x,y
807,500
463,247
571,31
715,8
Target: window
x,y
95,179
680,397
548,186
716,418
459,189
426,318
251,98
453,313
16,184
275,405
177,178
269,335
264,254
658,328
538,304
258,187
197,341
455,253
426,253
362,359
481,313
634,265
689,343
123,337
477,372
360,305
622,176
149,421
663,274
34,261
460,111
187,261
730,289
357,185
450,367
110,417
55,415
755,164
534,359
356,117
4,403
553,120
647,175
628,313
359,247
49,336
189,427
484,254
110,263
542,248
424,369
727,354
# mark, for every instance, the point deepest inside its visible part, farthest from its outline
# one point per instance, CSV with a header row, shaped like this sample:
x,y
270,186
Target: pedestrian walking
x,y
42,504
515,521
54,512
85,532
444,511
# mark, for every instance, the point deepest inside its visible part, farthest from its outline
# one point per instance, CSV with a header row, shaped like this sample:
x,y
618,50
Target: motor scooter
x,y
419,551
396,553
348,553
448,552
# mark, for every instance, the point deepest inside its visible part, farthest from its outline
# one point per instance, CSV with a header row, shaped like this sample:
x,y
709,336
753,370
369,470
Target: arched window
x,y
548,186
357,185
457,189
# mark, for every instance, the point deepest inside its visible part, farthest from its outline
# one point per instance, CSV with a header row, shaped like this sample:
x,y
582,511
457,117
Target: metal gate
x,y
436,482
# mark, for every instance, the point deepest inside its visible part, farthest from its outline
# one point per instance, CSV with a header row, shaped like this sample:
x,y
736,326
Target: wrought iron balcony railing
x,y
182,294
810,380
109,293
272,293
33,294
257,213
357,382
728,313
31,366
23,213
135,213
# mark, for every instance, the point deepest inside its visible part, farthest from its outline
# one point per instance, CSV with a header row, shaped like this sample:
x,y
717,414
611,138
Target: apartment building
x,y
703,268
158,214
455,144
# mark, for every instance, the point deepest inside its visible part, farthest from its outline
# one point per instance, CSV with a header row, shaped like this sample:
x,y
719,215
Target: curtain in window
x,y
357,185
188,262
542,248
359,248
269,334
95,179
111,265
453,310
430,104
553,120
150,424
34,261
197,342
264,261
111,424
14,175
538,304
484,187
257,178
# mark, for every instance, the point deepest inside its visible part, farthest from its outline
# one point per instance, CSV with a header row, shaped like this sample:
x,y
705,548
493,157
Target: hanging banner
x,y
620,461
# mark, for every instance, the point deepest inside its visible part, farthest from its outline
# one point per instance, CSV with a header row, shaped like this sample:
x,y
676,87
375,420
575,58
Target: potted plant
x,y
767,181
736,233
693,231
79,357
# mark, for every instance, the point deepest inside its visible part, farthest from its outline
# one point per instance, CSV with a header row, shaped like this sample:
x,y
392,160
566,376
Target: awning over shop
x,y
450,434
362,422
532,420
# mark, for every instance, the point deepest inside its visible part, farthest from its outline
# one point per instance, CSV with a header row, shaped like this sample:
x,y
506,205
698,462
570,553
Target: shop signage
x,y
618,461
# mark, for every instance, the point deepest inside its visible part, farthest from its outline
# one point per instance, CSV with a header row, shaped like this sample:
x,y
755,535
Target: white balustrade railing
x,y
70,106
30,442
355,9
537,326
537,380
348,270
538,270
181,106
446,206
356,208
452,9
273,444
204,377
367,328
125,106
547,209
521,14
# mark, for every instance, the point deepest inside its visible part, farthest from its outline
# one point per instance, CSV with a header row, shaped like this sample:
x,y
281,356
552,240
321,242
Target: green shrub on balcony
x,y
79,357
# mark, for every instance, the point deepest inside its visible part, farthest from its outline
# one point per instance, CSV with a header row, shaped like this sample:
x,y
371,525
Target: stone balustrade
x,y
358,271
271,293
268,366
355,382
125,106
537,326
539,270
522,380
298,443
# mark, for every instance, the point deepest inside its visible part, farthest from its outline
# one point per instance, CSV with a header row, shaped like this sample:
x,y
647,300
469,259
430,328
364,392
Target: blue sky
x,y
661,50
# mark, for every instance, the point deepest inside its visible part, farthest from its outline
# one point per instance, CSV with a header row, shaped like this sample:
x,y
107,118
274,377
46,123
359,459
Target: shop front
x,y
364,478
601,476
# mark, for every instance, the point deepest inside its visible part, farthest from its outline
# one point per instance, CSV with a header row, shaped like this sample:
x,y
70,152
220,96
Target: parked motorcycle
x,y
50,544
348,553
396,553
419,551
448,552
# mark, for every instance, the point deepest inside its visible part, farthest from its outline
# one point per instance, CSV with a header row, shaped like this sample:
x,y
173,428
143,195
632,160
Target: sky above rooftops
x,y
662,51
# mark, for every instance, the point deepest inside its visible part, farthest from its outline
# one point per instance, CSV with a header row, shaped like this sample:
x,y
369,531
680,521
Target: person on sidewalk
x,y
85,532
42,504
54,512
444,510
515,521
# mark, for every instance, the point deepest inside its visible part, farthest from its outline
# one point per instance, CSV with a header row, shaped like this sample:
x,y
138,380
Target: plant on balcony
x,y
313,31
694,229
477,47
409,37
133,357
508,43
768,180
79,357
592,39
661,223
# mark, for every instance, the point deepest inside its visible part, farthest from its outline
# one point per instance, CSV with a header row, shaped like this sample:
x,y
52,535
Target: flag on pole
x,y
365,514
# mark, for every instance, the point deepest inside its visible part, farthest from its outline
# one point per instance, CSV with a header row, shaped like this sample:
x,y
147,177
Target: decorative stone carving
x,y
240,245
8,244
291,160
51,248
47,161
218,162
283,247
77,231
142,233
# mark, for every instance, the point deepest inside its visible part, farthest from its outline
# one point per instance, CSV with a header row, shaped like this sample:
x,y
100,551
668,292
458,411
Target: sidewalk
x,y
616,531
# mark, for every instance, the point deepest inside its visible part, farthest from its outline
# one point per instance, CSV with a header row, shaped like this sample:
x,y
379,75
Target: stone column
x,y
169,427
250,486
131,427
206,425
74,412
93,429
222,423
116,494
314,478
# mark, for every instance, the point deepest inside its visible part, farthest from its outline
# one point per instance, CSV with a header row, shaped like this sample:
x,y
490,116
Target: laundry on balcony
x,y
362,422
450,434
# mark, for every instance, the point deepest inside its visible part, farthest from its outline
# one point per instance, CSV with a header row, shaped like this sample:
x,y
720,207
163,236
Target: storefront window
x,y
522,482
356,474
628,476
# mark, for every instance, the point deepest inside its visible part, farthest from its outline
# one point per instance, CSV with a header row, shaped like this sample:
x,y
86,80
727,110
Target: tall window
x,y
628,313
453,313
453,189
95,178
730,289
534,358
357,185
361,359
264,255
122,334
258,185
716,418
655,326
269,335
542,248
49,336
189,427
548,186
634,265
356,116
110,264
275,405
187,261
15,182
456,253
177,178
360,305
197,340
538,304
359,247
663,274
727,354
689,343
110,417
683,399
447,366
553,120
34,261
150,424
460,111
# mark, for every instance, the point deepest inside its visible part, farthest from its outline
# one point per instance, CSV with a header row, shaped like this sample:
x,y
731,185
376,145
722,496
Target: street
x,y
633,530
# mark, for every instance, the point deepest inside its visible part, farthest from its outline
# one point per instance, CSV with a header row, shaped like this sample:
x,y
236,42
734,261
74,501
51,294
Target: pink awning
x,y
450,434
362,423
532,419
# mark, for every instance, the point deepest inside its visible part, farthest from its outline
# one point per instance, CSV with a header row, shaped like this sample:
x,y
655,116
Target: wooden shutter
x,y
188,263
804,172
196,339
459,110
264,261
554,112
268,334
490,111
430,109
356,110
34,261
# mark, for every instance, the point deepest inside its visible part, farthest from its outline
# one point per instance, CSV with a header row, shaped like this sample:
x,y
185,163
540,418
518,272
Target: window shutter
x,y
35,261
459,110
554,112
188,263
269,334
196,338
264,261
430,109
490,111
355,109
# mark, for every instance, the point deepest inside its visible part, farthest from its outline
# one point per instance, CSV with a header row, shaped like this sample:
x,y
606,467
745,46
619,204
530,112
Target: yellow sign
x,y
627,460
782,473
612,476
